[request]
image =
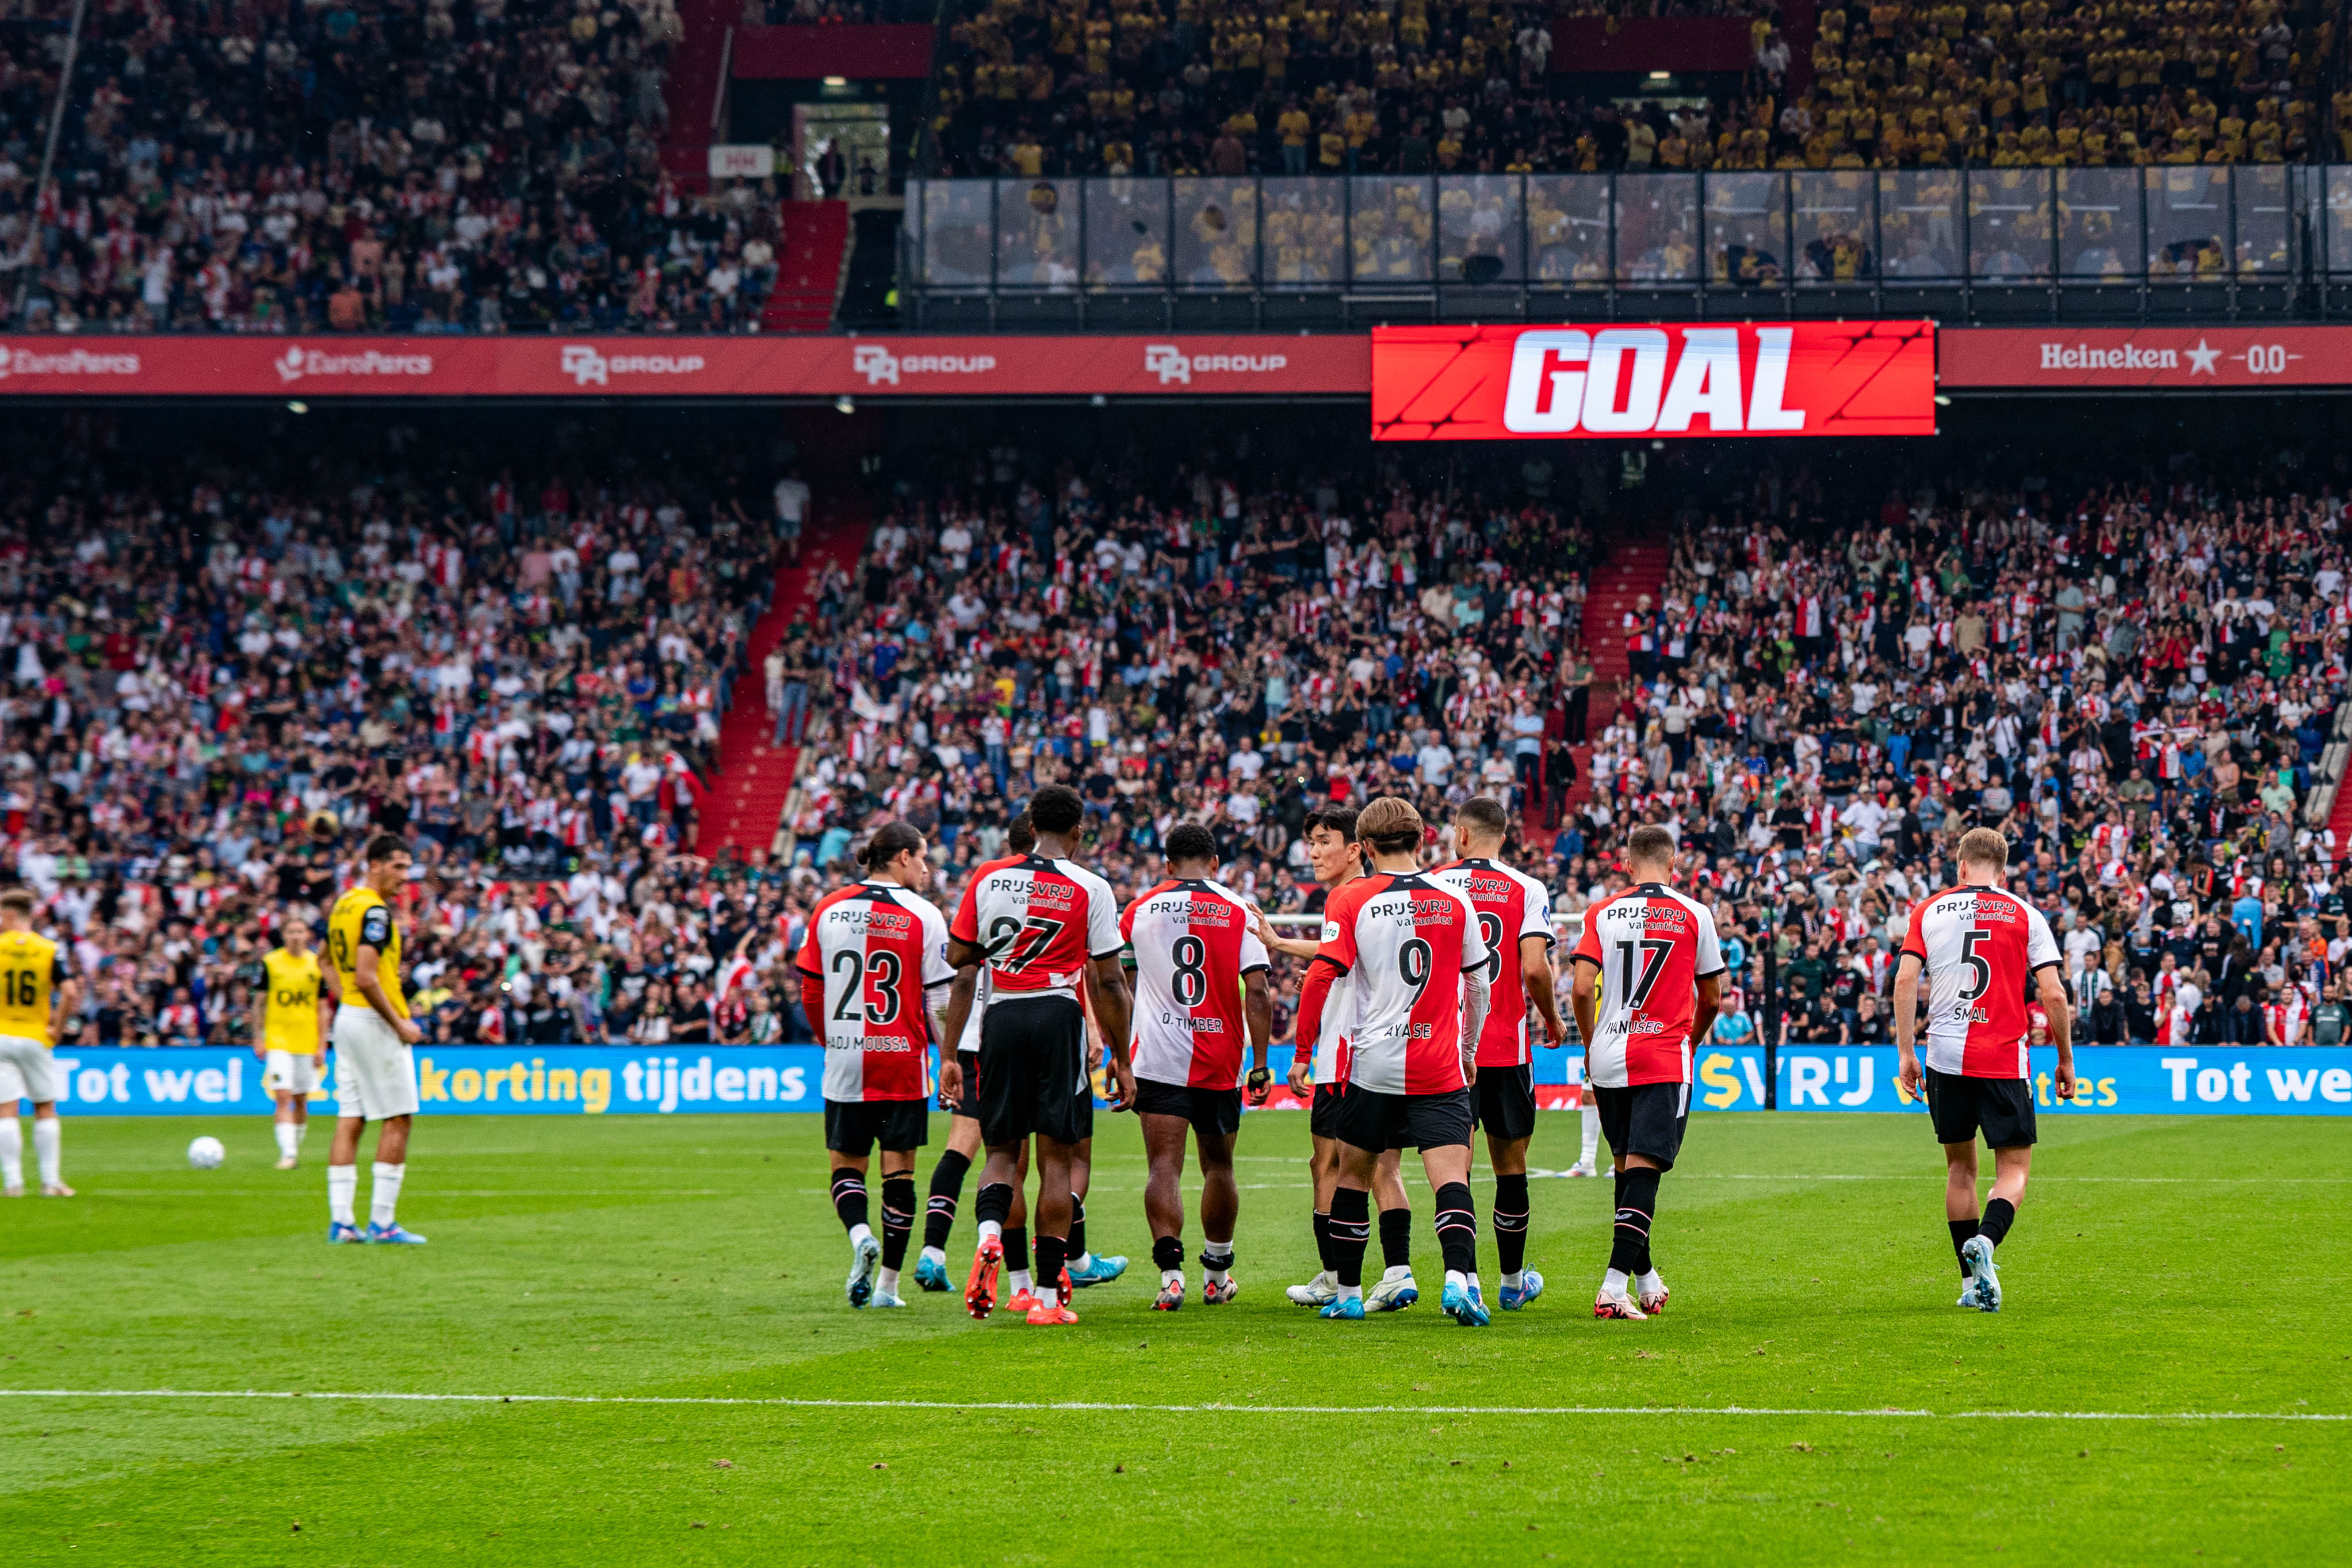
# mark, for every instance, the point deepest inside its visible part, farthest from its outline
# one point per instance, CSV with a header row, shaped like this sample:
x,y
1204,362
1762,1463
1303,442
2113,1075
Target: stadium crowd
x,y
356,165
221,678
1030,88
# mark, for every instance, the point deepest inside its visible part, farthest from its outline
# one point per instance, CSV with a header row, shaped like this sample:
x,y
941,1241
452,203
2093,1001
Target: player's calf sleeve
x,y
1016,1248
1167,1252
848,1197
1457,1227
898,1217
1323,1238
1396,1238
995,1205
1963,1232
947,1191
1052,1252
1511,1221
1999,1215
1351,1231
12,1149
1077,1226
1637,1201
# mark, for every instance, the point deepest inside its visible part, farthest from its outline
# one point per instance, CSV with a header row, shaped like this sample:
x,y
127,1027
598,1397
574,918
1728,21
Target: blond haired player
x,y
36,997
290,1035
376,1075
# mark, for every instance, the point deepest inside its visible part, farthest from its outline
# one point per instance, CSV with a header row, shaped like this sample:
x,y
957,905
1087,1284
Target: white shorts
x,y
375,1074
288,1073
27,1071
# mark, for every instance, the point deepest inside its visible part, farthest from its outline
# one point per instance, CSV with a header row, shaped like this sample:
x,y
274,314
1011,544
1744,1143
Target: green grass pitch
x,y
2166,1267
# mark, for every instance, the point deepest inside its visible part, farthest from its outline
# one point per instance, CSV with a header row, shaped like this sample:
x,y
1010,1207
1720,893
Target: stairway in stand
x,y
814,247
1628,570
2339,818
746,799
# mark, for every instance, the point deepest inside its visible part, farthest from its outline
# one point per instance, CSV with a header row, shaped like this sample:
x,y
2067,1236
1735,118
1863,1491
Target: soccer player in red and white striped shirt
x,y
1515,922
1411,948
1980,946
1660,967
1043,926
1200,983
874,975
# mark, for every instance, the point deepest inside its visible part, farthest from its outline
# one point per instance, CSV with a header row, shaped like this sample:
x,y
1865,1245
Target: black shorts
x,y
1032,1071
1507,1101
1323,1112
1371,1120
1647,1119
1213,1112
2001,1107
970,1104
853,1127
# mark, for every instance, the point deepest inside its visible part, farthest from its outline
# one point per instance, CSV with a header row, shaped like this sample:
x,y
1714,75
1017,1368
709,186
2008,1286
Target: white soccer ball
x,y
206,1153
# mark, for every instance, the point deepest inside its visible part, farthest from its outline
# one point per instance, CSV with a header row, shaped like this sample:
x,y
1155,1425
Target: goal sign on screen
x,y
1521,384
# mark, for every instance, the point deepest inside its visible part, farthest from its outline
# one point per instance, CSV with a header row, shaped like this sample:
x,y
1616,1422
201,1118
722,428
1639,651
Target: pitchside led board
x,y
1536,383
614,1081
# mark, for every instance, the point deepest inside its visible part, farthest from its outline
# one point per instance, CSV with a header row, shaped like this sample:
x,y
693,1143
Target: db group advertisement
x,y
616,1080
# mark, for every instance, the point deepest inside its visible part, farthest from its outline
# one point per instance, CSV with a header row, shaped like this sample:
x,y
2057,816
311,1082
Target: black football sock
x,y
898,1217
1051,1255
1511,1221
1323,1238
848,1197
1016,1248
1999,1215
1077,1226
1637,1200
1457,1227
947,1191
1962,1230
995,1202
1167,1252
1351,1231
1396,1238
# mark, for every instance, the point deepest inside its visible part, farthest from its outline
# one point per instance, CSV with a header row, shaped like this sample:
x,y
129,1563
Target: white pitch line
x,y
1086,1406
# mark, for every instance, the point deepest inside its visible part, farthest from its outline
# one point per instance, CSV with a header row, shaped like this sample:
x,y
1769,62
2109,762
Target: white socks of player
x,y
1217,1257
989,1230
1613,1283
289,1138
1650,1284
1351,1292
12,1152
859,1234
1591,1132
1512,1280
887,1282
384,1191
343,1193
48,1141
935,1255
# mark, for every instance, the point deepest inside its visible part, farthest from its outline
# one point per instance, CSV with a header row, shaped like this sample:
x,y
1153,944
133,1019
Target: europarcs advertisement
x,y
616,1080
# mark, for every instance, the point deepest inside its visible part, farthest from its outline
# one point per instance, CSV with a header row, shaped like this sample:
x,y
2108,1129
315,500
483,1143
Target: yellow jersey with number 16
x,y
361,915
289,1019
32,967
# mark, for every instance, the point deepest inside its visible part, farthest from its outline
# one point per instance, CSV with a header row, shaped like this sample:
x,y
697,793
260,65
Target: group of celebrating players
x,y
1415,1024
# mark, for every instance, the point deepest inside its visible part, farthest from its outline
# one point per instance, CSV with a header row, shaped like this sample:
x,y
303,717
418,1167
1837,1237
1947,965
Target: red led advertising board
x,y
1534,384
2184,359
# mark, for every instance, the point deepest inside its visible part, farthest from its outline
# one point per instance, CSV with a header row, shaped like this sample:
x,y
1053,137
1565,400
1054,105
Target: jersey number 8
x,y
1190,980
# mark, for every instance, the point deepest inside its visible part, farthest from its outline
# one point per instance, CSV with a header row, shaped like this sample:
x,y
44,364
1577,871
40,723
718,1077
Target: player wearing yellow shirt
x,y
37,996
290,1035
376,1075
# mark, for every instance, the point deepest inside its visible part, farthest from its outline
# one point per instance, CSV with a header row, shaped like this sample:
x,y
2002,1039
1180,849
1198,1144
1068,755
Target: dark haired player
x,y
874,973
1043,926
1515,922
1660,968
1199,980
1411,946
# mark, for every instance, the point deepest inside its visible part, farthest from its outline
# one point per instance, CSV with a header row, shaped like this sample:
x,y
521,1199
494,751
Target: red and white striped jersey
x,y
1039,922
878,950
1511,905
1980,947
1653,946
1404,942
1193,944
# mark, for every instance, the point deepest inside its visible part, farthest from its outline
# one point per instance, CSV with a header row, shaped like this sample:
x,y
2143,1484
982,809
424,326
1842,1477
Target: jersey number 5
x,y
1636,988
1980,972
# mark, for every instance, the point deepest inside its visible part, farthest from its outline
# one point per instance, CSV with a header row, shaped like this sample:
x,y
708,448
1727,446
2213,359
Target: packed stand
x,y
223,679
2133,684
358,166
1149,87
